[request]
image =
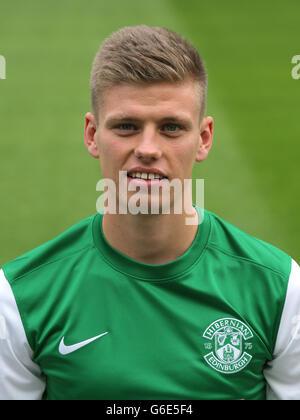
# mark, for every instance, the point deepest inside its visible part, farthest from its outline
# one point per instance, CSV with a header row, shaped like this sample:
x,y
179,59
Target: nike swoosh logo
x,y
63,349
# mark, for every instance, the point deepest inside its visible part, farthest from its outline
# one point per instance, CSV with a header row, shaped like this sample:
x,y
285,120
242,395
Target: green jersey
x,y
80,320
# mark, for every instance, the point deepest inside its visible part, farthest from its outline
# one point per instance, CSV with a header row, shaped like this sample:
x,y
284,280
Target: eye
x,y
126,127
172,128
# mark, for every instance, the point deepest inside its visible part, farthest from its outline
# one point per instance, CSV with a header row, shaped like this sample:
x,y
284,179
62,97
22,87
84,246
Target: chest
x,y
152,343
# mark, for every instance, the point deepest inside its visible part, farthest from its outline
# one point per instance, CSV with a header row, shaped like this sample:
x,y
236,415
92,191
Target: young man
x,y
137,305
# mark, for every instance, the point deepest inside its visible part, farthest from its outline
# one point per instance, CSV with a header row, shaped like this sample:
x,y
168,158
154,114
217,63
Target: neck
x,y
151,239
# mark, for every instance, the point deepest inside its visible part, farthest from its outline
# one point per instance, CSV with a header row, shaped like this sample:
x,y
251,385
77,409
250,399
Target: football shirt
x,y
80,320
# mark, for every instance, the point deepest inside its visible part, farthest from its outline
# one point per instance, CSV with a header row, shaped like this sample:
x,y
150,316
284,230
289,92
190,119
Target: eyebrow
x,y
123,118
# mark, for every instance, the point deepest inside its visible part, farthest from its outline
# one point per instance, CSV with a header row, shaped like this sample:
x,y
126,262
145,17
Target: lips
x,y
146,173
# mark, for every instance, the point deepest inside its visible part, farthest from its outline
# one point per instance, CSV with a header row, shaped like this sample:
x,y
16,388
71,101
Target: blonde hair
x,y
144,54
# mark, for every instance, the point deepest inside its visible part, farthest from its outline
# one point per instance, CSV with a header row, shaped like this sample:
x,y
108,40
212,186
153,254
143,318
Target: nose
x,y
148,145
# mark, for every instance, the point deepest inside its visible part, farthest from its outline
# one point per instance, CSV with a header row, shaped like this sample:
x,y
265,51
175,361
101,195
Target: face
x,y
152,127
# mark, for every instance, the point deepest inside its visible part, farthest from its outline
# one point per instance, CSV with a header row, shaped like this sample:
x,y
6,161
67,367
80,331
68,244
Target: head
x,y
148,94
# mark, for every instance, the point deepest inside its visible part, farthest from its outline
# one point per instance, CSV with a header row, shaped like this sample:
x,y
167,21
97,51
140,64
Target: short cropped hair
x,y
144,54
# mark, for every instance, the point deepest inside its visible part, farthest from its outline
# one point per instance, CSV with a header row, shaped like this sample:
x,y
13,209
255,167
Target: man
x,y
143,305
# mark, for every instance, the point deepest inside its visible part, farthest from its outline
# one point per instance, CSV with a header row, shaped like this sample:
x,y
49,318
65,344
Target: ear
x,y
206,134
90,129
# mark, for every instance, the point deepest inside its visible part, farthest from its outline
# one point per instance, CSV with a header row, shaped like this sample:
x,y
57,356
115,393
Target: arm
x,y
283,372
20,377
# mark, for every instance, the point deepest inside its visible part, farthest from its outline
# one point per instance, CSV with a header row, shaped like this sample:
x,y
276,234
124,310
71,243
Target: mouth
x,y
145,182
146,177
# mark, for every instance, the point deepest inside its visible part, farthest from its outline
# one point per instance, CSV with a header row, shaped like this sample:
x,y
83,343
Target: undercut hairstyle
x,y
143,54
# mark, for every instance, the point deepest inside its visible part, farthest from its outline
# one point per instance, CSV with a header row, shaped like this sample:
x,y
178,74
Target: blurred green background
x,y
47,178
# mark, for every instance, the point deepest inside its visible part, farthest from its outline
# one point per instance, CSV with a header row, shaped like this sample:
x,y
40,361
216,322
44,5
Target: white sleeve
x,y
20,377
283,372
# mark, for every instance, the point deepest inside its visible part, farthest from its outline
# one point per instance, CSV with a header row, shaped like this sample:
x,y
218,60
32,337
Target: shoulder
x,y
234,243
74,240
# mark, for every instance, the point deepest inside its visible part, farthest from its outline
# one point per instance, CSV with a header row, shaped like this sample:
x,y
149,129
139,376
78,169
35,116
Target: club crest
x,y
228,340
